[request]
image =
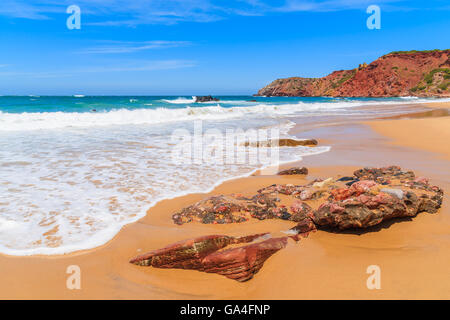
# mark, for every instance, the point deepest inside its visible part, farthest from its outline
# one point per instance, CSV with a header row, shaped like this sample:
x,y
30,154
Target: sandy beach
x,y
412,255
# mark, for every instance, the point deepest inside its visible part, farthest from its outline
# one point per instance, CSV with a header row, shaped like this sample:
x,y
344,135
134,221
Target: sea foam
x,y
56,120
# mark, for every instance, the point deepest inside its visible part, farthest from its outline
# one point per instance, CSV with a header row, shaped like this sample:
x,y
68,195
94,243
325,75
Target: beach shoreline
x,y
330,266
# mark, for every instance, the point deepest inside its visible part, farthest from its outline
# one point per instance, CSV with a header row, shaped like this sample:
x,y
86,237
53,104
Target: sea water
x,y
74,170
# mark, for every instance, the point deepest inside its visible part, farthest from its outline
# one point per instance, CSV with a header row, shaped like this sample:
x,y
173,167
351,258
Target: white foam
x,y
7,224
57,120
180,100
75,191
410,98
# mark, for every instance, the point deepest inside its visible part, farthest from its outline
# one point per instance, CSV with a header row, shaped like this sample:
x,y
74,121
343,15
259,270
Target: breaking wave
x,y
56,120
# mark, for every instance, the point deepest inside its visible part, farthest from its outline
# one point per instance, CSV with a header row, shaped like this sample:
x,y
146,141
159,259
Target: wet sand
x,y
428,134
413,254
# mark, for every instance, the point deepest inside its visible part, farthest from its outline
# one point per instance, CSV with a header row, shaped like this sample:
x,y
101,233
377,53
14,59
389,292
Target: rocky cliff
x,y
401,73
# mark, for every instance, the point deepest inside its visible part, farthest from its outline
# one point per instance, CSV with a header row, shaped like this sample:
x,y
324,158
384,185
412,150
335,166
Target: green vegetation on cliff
x,y
344,78
429,80
429,77
416,51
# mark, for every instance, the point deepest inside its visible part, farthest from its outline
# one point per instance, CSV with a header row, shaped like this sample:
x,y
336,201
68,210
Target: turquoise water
x,y
19,104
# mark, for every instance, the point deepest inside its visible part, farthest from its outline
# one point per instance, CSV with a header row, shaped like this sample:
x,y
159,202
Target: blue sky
x,y
183,47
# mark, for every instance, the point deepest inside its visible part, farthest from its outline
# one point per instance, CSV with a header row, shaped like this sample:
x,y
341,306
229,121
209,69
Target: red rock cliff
x,y
403,73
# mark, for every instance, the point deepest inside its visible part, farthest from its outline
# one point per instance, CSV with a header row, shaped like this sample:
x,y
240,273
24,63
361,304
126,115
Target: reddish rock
x,y
306,194
303,228
367,210
228,209
300,211
421,180
204,254
285,142
286,189
242,263
383,175
375,195
303,214
187,254
293,171
342,193
362,186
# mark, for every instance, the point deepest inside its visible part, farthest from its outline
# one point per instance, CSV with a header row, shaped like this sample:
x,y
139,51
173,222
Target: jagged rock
x,y
293,171
234,209
286,189
371,208
305,195
304,227
282,143
300,211
393,192
205,99
303,214
346,179
228,209
321,184
374,195
341,193
421,180
184,254
383,175
430,205
187,254
243,263
205,254
355,212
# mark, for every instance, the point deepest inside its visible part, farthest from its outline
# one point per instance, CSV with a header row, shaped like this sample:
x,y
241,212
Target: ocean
x,y
75,169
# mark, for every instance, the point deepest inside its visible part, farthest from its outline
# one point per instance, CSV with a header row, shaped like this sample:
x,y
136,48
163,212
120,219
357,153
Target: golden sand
x,y
431,134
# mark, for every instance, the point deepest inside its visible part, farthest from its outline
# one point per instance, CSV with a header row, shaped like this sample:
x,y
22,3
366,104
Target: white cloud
x,y
116,12
120,66
139,66
136,12
25,9
329,5
129,47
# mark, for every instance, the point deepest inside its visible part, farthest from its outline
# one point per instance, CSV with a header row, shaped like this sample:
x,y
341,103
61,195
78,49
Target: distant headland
x,y
396,74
